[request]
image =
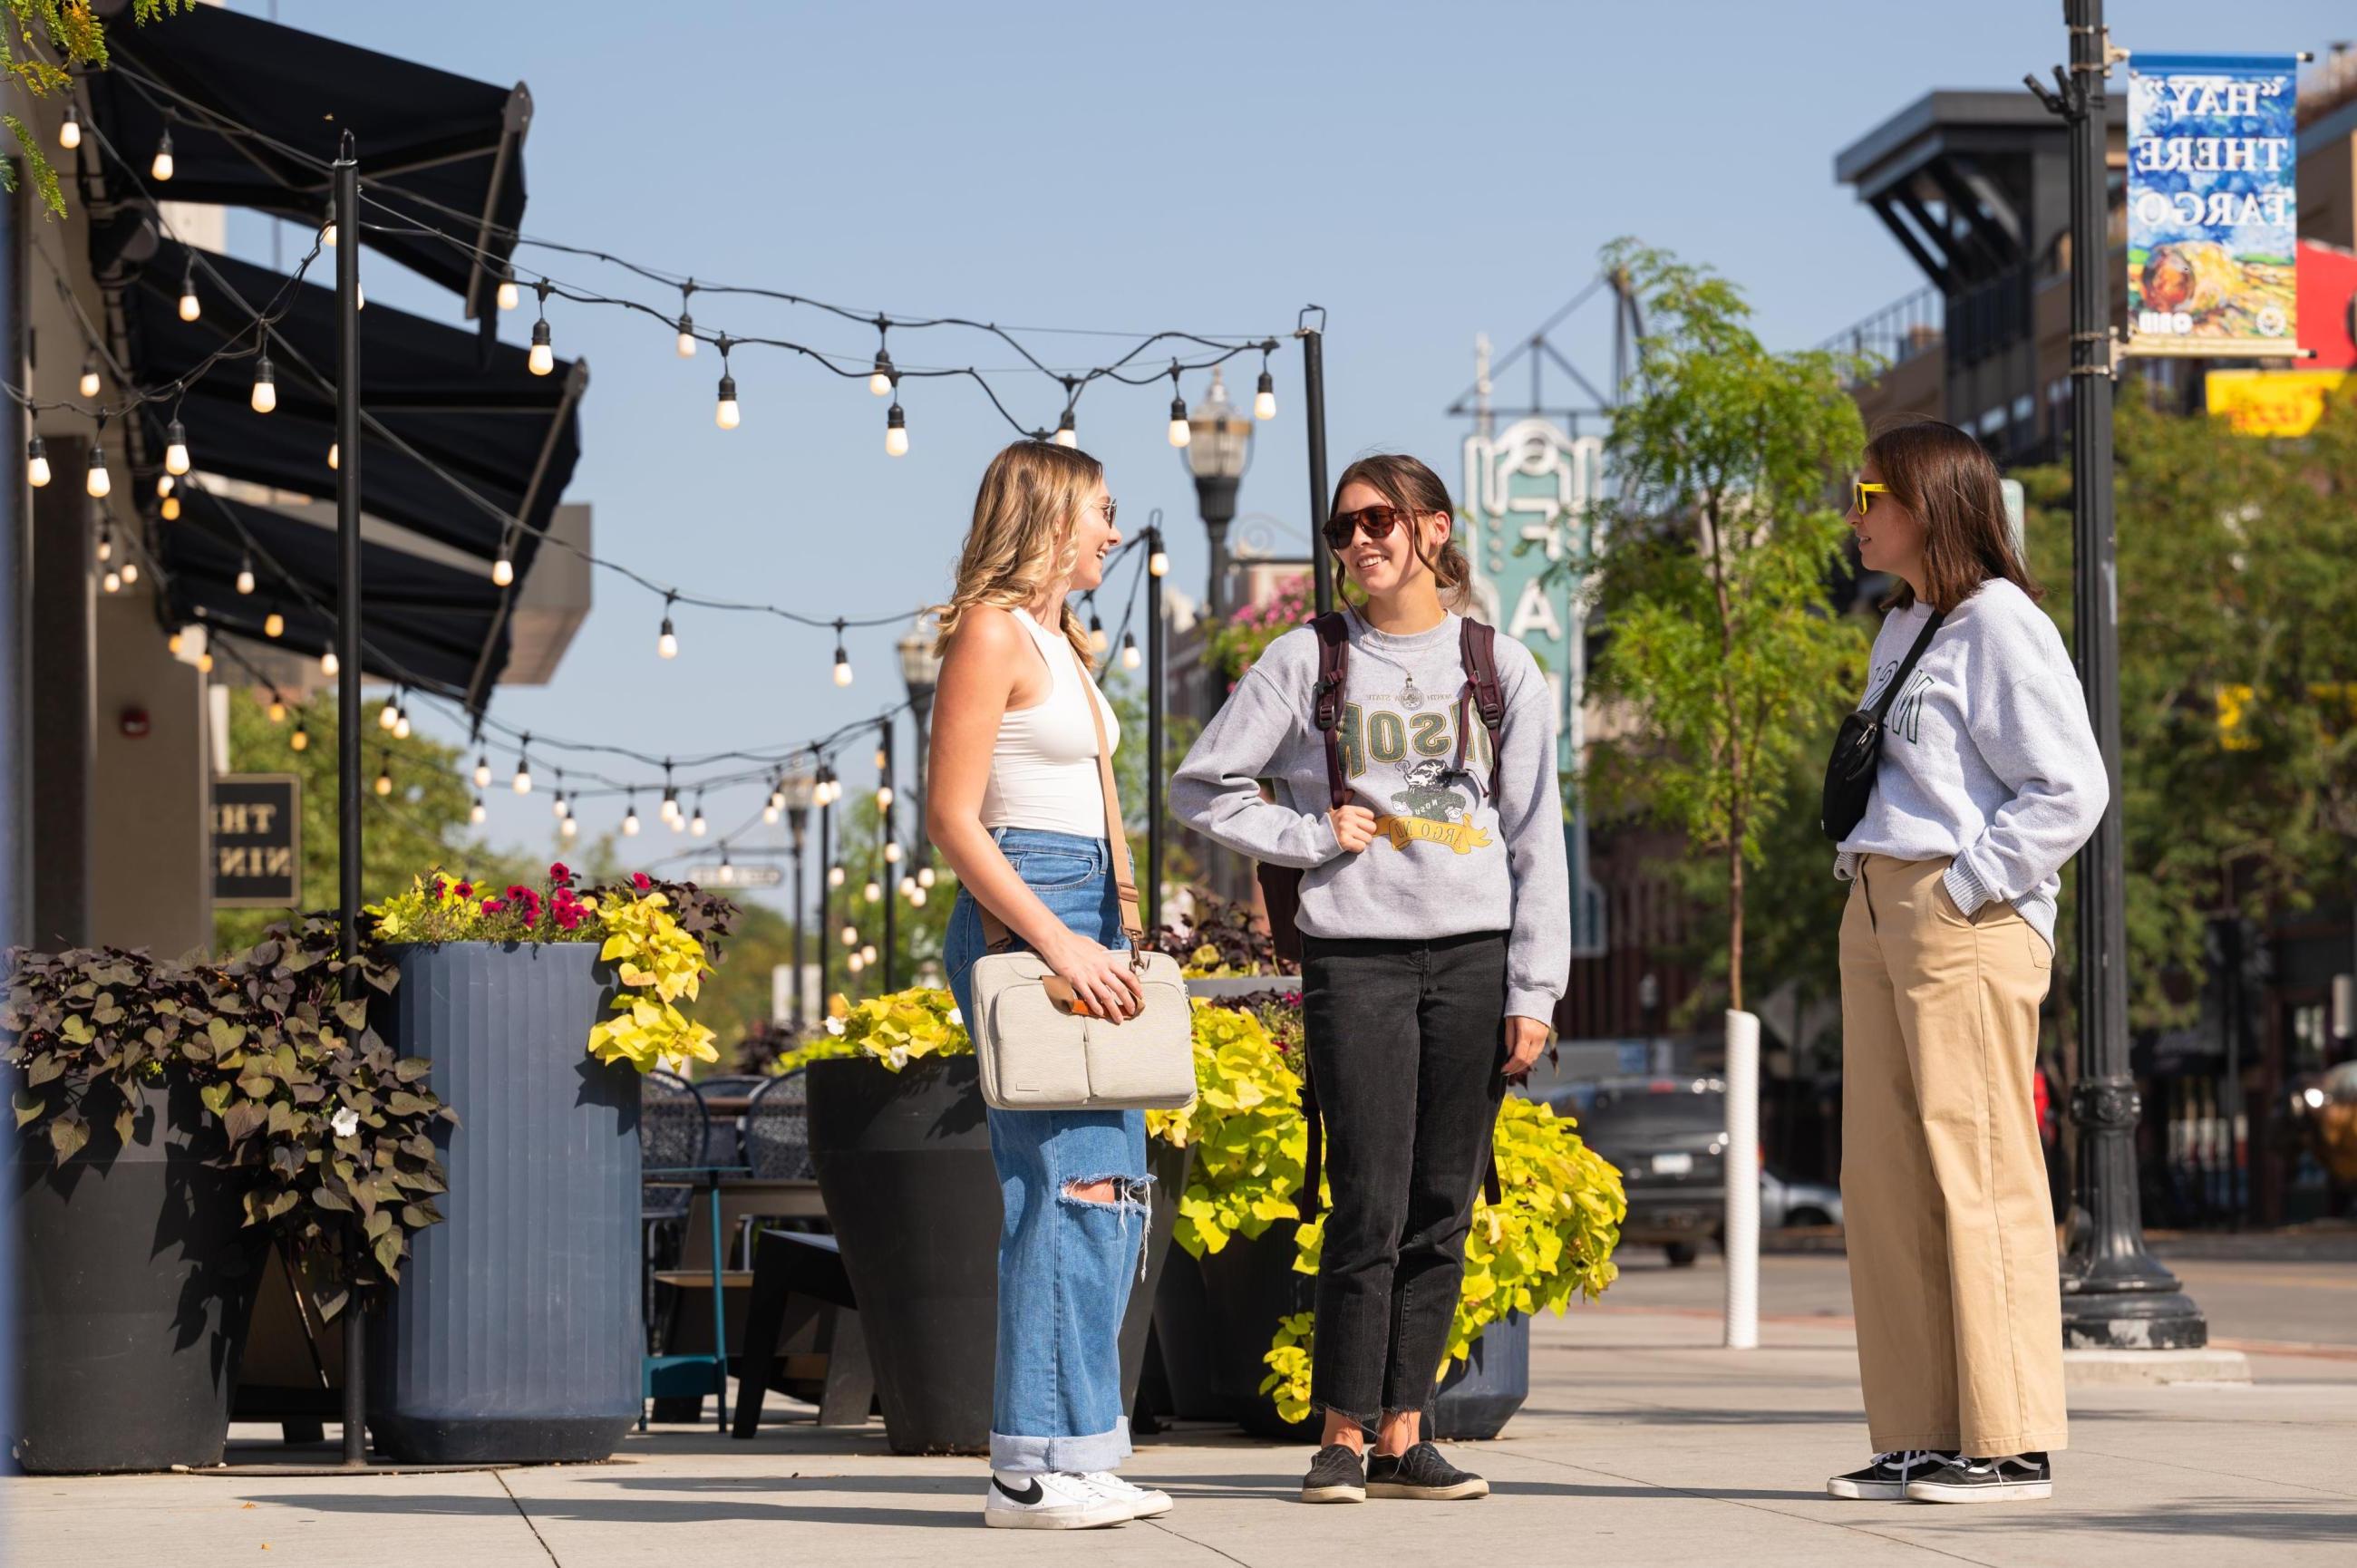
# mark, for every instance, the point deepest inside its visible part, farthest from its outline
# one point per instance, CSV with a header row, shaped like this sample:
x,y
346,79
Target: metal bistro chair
x,y
777,1129
722,1144
674,1129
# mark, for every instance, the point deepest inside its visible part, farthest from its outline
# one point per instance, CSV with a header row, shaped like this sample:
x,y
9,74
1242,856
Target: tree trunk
x,y
1736,817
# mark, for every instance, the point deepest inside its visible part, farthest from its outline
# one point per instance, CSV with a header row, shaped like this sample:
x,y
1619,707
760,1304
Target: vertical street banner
x,y
2211,205
258,841
1532,508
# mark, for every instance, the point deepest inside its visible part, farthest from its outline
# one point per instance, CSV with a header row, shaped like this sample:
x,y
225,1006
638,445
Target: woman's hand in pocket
x,y
1525,1039
1099,976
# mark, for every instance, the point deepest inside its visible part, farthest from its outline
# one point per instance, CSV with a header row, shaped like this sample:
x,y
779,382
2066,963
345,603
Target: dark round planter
x,y
1182,1340
1479,1396
134,1279
903,1161
515,1334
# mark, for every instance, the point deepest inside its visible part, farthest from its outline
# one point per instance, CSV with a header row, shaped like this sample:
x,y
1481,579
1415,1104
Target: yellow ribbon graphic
x,y
1462,837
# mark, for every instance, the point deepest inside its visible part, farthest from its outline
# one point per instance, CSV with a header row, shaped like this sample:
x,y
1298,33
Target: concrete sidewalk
x,y
1643,1442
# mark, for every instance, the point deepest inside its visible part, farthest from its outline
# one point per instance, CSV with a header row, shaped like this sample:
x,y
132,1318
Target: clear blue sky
x,y
1424,172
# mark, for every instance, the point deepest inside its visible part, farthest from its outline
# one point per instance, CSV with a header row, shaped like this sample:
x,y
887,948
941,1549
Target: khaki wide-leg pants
x,y
1951,1232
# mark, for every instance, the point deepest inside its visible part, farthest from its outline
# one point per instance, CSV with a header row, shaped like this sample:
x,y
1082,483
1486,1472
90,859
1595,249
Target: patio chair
x,y
673,1132
777,1129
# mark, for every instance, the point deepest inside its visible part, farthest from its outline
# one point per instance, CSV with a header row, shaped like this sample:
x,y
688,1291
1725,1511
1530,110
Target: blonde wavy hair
x,y
1023,536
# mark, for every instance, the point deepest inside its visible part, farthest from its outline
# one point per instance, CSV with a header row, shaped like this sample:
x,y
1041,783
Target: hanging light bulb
x,y
917,897
883,758
724,413
770,812
273,626
162,166
205,662
502,569
543,359
873,892
1265,400
696,824
130,572
327,229
510,298
924,876
842,659
670,811
36,463
687,335
892,853
301,741
384,777
880,380
522,782
89,383
401,728
164,484
69,129
111,581
482,770
388,715
895,431
1158,560
105,543
907,888
1065,435
278,709
170,510
329,663
1098,640
1179,433
867,953
1130,657
335,455
98,482
265,386
245,575
835,877
176,449
856,964
173,644
667,642
630,820
569,828
478,811
560,811
883,797
190,306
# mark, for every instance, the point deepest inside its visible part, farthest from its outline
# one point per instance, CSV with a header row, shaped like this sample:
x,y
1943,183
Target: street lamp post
x,y
797,787
888,850
1157,563
920,669
1219,446
2115,1293
826,788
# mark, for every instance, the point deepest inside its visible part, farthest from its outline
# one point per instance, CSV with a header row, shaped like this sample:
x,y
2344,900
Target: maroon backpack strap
x,y
1326,698
1477,650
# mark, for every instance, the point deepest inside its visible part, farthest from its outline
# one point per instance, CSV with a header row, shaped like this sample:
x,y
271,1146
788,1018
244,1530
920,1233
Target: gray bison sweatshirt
x,y
1446,859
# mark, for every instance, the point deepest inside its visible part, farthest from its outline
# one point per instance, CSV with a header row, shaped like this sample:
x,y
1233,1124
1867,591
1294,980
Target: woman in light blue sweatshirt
x,y
1989,780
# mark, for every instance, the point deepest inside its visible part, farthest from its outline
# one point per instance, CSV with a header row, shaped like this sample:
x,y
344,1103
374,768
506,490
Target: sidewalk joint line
x,y
1190,1541
529,1523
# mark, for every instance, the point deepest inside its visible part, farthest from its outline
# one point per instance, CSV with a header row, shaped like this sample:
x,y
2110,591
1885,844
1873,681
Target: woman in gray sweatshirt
x,y
1990,779
1435,924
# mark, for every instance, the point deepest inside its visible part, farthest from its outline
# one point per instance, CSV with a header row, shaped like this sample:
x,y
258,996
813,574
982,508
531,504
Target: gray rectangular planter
x,y
515,1334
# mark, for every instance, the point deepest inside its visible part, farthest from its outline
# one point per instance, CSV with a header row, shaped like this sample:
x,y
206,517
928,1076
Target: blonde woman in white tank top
x,y
1014,804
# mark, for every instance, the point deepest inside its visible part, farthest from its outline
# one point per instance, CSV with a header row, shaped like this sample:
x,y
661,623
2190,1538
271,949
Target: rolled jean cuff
x,y
1015,1455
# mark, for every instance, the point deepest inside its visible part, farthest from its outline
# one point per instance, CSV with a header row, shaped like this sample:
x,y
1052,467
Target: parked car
x,y
1668,1138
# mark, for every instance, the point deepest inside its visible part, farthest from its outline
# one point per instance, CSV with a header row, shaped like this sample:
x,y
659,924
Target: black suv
x,y
1668,1138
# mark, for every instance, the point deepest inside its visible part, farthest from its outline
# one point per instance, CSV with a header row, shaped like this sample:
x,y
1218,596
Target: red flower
x,y
560,873
642,881
466,890
440,885
493,905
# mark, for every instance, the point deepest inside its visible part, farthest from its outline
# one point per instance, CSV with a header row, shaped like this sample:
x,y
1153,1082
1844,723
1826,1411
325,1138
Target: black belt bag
x,y
1858,749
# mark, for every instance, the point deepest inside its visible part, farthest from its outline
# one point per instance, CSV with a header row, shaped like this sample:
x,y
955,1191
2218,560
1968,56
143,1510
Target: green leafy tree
x,y
421,824
40,33
1723,655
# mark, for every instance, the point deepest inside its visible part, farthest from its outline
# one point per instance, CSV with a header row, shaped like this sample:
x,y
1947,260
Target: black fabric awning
x,y
440,151
422,623
509,437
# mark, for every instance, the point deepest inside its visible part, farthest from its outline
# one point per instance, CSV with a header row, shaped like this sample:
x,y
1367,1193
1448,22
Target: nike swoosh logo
x,y
1028,1495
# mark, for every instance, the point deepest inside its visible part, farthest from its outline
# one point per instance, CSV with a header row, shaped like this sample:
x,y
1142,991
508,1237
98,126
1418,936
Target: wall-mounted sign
x,y
2211,205
258,841
725,874
1531,500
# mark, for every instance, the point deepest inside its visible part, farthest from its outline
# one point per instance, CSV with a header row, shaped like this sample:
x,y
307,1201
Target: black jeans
x,y
1407,1045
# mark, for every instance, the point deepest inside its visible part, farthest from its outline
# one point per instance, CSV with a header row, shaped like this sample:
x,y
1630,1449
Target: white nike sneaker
x,y
1144,1502
1051,1500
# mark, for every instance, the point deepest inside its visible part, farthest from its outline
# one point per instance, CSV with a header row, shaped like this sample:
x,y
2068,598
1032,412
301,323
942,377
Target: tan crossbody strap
x,y
993,929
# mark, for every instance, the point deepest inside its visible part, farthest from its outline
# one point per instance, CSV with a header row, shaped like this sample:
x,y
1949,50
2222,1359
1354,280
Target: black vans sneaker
x,y
1422,1474
1339,1475
1885,1480
2009,1478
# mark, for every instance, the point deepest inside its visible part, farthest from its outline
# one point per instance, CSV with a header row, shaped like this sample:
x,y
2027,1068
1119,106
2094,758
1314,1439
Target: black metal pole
x,y
348,699
1313,397
799,816
825,883
1154,702
887,882
2115,1293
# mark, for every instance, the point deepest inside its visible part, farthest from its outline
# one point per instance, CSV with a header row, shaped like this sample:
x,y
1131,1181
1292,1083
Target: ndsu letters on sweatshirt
x,y
1447,859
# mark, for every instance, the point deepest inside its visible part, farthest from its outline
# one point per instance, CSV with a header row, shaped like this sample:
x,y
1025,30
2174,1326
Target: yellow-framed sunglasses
x,y
1860,490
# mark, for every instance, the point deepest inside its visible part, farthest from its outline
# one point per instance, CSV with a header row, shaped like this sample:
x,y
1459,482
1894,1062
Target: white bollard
x,y
1742,1166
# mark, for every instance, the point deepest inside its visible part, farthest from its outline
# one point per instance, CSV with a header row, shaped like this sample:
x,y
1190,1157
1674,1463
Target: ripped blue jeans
x,y
1066,1264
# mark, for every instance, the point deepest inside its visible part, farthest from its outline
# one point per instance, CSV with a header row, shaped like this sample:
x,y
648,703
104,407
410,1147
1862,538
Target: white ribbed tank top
x,y
1043,770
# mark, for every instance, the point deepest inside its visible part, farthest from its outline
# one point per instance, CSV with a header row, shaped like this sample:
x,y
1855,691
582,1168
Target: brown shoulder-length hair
x,y
1410,486
1949,481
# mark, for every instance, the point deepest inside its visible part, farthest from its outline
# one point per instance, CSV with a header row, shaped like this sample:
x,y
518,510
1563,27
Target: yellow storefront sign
x,y
2273,402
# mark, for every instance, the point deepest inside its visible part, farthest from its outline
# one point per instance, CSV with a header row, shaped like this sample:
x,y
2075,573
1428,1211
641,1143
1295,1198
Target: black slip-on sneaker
x,y
1338,1474
2008,1478
1422,1474
1885,1480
